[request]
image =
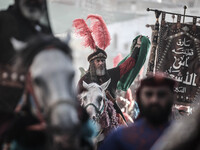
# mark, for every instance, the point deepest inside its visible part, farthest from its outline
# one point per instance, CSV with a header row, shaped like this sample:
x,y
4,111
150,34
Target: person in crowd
x,y
155,97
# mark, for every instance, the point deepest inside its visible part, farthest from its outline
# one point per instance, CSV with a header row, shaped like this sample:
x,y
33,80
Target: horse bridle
x,y
98,110
29,89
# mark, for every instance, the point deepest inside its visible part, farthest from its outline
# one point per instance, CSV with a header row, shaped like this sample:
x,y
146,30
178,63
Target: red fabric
x,y
126,66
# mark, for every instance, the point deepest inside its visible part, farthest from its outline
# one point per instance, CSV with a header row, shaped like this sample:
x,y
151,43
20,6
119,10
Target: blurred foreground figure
x,y
50,117
182,135
18,23
155,98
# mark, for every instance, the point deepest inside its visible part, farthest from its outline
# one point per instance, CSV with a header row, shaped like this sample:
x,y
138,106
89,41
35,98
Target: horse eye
x,y
84,98
99,99
37,81
72,75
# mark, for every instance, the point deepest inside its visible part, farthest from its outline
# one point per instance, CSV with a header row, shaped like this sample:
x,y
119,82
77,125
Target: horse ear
x,y
85,85
18,45
105,85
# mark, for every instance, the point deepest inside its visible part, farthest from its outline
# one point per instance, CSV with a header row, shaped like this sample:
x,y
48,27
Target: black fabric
x,y
17,129
113,73
9,97
135,53
6,120
25,137
13,24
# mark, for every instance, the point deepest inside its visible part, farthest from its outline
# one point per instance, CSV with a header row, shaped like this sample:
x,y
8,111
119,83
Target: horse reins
x,y
51,107
98,110
29,90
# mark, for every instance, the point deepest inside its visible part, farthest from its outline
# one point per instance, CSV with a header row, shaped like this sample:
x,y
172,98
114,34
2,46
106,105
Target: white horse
x,y
100,109
50,79
93,100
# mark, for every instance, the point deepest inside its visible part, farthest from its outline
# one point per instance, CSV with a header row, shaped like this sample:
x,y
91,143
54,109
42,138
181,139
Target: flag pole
x,y
185,7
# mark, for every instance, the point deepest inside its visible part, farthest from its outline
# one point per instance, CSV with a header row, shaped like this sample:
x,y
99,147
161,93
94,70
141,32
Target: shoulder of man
x,y
6,14
85,78
113,140
7,18
114,73
115,69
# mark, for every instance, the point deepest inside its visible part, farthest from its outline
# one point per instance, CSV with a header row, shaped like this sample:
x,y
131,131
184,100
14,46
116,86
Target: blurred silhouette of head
x,y
31,9
155,97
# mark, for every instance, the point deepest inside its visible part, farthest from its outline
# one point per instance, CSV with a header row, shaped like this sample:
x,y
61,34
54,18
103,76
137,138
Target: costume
x,y
139,136
97,38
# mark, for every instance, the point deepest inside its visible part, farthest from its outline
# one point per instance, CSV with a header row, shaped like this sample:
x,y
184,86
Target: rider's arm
x,y
131,61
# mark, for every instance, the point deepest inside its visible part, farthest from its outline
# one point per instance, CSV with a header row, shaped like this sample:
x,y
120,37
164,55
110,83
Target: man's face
x,y
32,9
100,66
156,103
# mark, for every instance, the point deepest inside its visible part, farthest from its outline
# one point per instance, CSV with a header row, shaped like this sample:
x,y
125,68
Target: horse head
x,y
51,73
94,98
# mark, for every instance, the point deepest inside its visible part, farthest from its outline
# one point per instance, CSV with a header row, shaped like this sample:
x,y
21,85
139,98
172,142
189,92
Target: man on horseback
x,y
18,23
97,71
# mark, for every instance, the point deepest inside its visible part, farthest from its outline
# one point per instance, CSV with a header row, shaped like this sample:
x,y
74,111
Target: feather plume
x,y
99,31
84,31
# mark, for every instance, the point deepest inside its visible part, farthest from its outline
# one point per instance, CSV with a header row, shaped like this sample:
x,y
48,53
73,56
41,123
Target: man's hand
x,y
139,41
136,51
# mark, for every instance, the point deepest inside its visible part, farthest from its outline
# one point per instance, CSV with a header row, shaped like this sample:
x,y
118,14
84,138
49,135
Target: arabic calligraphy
x,y
181,50
180,89
189,80
181,60
183,42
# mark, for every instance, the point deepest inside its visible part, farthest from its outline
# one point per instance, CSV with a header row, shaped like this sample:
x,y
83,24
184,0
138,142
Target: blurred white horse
x,y
50,83
93,100
100,109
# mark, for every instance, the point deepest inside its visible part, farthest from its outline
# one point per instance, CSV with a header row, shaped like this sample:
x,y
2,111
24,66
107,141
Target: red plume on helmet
x,y
84,31
99,31
97,36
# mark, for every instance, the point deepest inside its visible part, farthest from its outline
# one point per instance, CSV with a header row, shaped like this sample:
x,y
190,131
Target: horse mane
x,y
34,46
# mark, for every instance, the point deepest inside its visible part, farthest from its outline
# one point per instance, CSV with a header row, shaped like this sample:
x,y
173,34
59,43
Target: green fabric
x,y
126,80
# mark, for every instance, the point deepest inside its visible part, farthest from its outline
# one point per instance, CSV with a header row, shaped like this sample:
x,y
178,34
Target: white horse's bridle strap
x,y
98,110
